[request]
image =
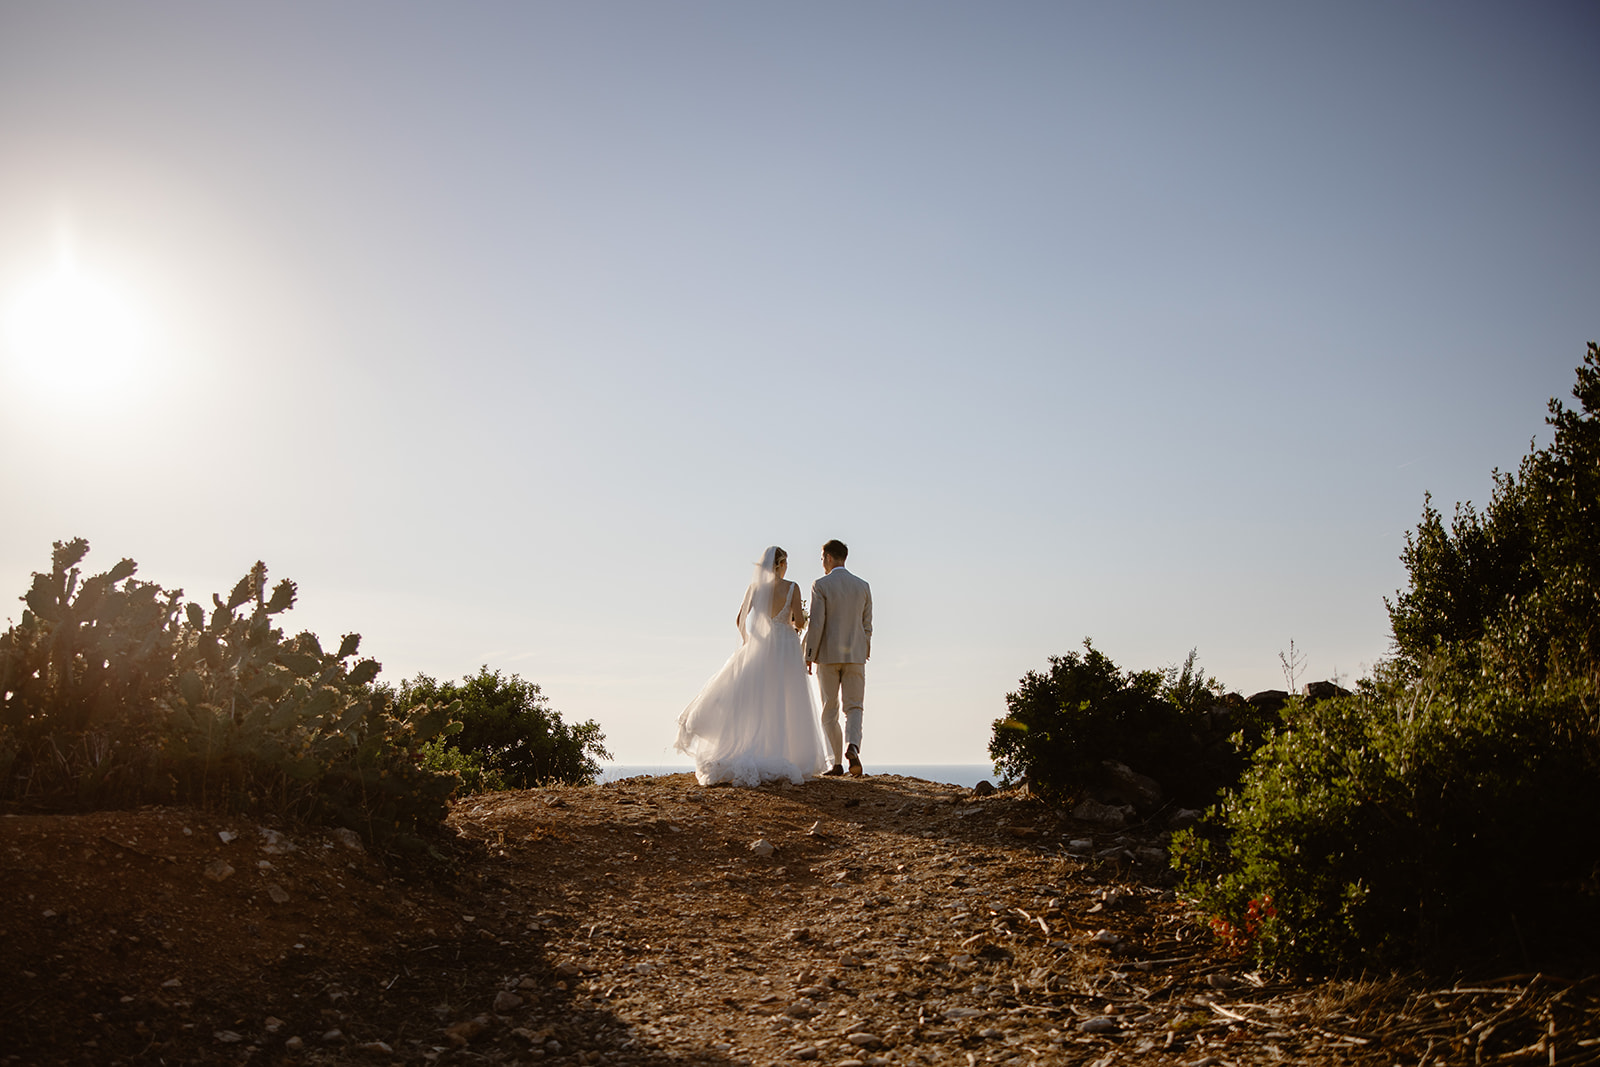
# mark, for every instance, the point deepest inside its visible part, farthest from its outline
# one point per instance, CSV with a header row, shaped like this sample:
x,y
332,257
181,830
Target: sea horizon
x,y
966,775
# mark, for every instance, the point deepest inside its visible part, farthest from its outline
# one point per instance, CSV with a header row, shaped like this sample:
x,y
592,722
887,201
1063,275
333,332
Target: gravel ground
x,y
651,921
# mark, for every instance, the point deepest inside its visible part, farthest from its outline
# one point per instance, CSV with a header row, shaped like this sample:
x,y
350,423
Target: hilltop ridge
x,y
650,921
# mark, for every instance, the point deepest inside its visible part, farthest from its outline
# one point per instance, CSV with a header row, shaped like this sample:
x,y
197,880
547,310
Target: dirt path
x,y
646,922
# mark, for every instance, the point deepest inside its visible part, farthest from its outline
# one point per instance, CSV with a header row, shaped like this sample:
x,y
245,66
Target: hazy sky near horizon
x,y
514,332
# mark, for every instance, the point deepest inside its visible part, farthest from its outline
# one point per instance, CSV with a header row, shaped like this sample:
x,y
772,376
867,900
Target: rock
x,y
227,836
1156,857
463,1033
1268,700
957,1014
762,847
376,1048
1098,1024
506,1001
805,1052
295,1044
1320,691
1105,937
1127,784
984,788
278,894
1183,817
1081,846
228,1037
862,1039
272,1024
1103,814
218,871
274,843
803,1008
333,1036
348,838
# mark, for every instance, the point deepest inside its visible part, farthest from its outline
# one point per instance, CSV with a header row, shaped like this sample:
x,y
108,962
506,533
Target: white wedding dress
x,y
757,719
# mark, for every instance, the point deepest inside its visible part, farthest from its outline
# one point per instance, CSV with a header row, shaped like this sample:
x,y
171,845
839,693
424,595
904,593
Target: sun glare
x,y
73,331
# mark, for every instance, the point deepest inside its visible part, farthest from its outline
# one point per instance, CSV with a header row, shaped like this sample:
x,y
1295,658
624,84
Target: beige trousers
x,y
842,684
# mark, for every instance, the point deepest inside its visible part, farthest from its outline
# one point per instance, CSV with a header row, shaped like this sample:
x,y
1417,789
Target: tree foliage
x,y
510,736
1516,588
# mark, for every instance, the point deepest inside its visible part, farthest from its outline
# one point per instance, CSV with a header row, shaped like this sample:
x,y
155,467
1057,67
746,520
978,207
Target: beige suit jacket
x,y
841,619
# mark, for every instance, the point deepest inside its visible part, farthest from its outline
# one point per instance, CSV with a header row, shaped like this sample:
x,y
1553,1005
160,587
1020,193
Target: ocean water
x,y
962,774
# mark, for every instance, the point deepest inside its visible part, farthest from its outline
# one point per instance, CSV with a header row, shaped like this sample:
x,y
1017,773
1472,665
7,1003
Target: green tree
x,y
1516,589
510,735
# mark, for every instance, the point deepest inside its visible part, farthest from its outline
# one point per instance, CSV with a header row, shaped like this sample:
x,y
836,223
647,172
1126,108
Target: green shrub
x,y
510,736
115,692
1416,822
1061,727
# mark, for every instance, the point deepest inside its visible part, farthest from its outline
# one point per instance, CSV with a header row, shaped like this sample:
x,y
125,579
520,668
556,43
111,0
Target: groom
x,y
838,642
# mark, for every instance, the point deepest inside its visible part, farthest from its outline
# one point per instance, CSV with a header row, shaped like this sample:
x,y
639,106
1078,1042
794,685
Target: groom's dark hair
x,y
837,550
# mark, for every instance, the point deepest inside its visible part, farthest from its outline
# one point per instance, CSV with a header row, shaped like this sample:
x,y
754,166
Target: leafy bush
x,y
1063,725
510,736
1435,823
1449,812
114,692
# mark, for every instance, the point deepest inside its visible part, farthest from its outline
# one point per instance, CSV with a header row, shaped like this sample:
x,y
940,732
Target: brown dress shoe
x,y
836,771
855,762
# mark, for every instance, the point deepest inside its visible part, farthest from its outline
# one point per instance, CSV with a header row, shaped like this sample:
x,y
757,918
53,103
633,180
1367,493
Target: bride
x,y
756,720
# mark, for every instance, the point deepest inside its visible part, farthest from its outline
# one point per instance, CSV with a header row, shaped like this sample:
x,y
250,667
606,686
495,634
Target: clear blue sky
x,y
514,332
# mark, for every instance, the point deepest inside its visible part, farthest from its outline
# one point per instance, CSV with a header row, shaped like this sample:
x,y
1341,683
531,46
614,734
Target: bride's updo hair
x,y
779,556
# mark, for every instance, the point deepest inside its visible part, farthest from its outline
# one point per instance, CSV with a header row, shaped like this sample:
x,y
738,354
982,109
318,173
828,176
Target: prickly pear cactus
x,y
115,691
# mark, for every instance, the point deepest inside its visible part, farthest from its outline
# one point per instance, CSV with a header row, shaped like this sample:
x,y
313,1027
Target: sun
x,y
73,331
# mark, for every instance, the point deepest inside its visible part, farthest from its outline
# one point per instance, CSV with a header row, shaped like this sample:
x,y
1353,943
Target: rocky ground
x,y
884,920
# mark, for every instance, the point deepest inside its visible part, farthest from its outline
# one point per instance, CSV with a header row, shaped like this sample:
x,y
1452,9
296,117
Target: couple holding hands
x,y
757,719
